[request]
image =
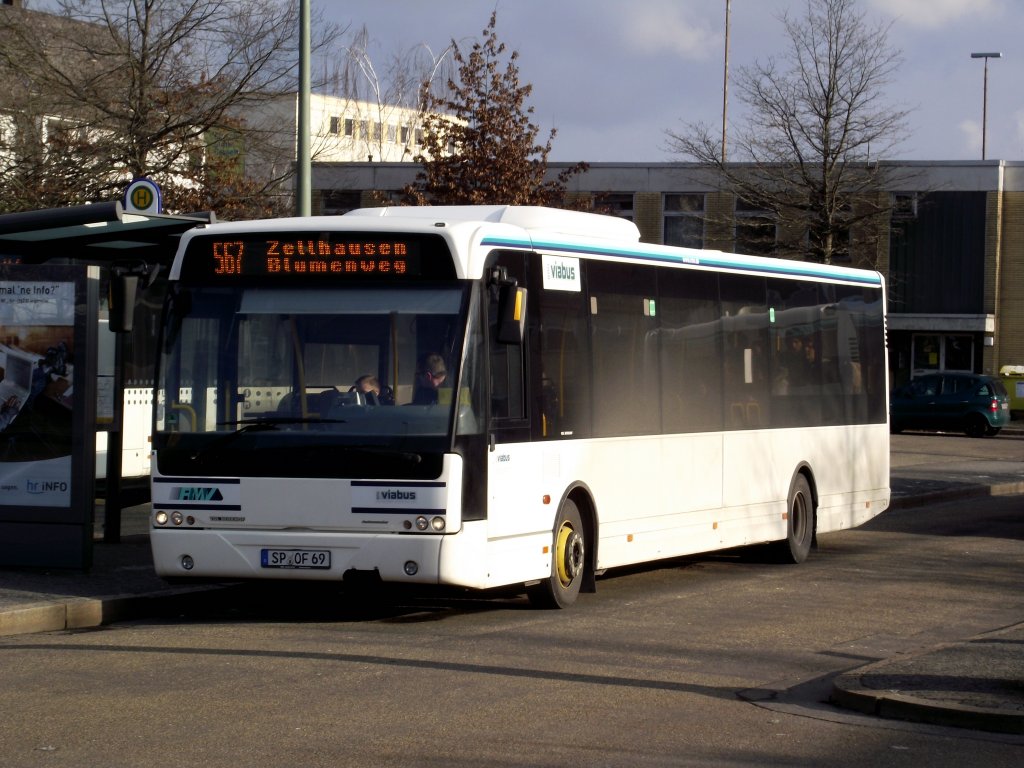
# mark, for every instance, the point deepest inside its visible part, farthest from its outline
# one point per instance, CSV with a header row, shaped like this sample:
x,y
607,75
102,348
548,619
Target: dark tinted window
x,y
563,347
623,321
508,369
690,338
745,353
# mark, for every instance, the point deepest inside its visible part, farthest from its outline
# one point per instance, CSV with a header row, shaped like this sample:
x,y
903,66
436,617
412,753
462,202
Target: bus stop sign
x,y
143,196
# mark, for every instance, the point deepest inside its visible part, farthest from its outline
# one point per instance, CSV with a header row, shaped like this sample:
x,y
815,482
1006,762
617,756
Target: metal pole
x,y
303,187
115,449
984,110
984,95
725,79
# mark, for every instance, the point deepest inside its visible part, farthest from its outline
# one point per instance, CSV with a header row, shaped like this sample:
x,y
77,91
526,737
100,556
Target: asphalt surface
x,y
976,683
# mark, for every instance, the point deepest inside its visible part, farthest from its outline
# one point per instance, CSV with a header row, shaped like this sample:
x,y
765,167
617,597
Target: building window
x,y
755,229
405,134
684,219
615,204
904,206
392,133
334,202
350,126
335,128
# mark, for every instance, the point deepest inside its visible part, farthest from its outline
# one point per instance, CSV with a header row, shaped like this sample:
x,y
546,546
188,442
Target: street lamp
x,y
725,78
984,97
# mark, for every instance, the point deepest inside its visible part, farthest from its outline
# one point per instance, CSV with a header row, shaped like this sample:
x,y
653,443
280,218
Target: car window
x,y
952,385
924,386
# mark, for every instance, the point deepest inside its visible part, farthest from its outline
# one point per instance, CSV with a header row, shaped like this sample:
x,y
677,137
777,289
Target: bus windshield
x,y
352,381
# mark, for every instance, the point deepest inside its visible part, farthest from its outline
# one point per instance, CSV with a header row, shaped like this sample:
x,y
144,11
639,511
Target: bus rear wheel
x,y
799,523
568,562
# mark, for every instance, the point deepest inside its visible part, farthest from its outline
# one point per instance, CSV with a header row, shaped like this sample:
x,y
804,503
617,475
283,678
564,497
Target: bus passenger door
x,y
513,462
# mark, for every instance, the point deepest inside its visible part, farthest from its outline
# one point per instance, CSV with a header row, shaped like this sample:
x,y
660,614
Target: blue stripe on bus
x,y
798,268
397,511
176,505
402,484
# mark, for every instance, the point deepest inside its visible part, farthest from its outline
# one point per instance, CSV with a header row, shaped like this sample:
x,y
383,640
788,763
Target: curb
x,y
88,612
848,692
953,494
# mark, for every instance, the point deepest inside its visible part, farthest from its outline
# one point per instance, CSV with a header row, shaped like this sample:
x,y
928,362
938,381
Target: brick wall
x,y
1010,307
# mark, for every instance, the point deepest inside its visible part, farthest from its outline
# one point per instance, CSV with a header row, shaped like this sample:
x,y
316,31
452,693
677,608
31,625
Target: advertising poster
x,y
48,319
37,382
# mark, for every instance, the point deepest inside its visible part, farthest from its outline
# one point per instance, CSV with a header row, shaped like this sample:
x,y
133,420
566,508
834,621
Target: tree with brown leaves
x,y
480,146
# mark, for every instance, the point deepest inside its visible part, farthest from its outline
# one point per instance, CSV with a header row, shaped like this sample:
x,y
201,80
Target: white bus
x,y
555,399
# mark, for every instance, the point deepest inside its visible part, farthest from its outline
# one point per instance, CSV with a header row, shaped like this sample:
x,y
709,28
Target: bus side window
x,y
563,401
508,372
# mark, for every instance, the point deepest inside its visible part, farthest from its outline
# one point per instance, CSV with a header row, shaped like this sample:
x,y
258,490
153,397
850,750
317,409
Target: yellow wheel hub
x,y
568,554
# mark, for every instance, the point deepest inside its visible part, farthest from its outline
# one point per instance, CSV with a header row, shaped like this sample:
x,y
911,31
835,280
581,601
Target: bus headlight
x,y
421,523
177,518
437,523
161,518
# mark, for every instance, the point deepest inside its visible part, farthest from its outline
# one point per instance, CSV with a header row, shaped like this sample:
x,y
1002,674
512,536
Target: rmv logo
x,y
197,494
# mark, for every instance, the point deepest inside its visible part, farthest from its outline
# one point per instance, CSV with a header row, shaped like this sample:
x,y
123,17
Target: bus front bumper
x,y
295,555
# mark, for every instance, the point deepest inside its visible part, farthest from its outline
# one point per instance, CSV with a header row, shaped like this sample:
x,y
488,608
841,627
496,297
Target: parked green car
x,y
951,402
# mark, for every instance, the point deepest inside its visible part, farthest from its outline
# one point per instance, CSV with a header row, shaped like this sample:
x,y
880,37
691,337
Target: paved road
x,y
719,660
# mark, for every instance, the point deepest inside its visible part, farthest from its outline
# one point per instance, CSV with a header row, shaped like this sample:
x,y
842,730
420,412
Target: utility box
x,y
1012,377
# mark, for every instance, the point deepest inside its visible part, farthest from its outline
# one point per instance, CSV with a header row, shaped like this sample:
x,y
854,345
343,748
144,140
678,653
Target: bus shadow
x,y
305,602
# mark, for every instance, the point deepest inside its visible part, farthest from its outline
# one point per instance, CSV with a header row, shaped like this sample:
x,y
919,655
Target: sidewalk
x,y
977,683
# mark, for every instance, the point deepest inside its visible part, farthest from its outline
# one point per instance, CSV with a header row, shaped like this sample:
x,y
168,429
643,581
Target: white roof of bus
x,y
529,218
594,234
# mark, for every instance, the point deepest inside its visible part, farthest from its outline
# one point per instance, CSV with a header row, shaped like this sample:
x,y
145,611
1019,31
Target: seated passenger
x,y
429,377
376,394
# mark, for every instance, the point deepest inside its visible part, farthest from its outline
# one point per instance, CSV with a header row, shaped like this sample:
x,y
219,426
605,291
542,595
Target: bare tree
x,y
390,87
153,87
480,145
816,127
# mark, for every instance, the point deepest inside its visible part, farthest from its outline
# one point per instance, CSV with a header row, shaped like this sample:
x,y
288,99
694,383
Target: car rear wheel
x,y
800,521
976,426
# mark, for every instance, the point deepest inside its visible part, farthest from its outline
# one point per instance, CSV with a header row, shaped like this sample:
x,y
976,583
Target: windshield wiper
x,y
273,424
256,424
249,426
379,450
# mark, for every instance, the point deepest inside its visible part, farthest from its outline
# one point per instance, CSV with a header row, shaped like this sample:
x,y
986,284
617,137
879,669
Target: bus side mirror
x,y
511,314
124,284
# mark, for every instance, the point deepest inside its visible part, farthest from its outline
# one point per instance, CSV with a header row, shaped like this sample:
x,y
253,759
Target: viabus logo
x,y
46,486
186,493
393,494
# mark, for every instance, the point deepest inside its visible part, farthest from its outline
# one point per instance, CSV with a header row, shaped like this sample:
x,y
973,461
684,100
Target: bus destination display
x,y
313,257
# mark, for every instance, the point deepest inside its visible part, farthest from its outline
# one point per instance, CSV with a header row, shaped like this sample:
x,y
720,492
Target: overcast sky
x,y
613,75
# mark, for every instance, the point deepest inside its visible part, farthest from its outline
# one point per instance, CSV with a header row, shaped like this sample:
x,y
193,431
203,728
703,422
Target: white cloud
x,y
668,26
1019,136
971,131
936,13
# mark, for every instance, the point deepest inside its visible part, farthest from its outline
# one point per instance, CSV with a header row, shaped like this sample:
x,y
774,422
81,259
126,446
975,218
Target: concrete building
x,y
953,253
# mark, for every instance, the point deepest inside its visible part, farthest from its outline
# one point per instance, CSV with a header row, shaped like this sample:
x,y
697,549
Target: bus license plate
x,y
295,558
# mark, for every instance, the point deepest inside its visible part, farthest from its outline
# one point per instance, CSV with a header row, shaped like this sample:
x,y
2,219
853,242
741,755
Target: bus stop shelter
x,y
103,236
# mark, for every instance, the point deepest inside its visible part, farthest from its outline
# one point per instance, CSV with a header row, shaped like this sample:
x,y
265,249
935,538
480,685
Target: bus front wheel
x,y
799,523
568,562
